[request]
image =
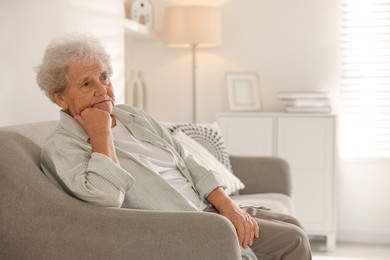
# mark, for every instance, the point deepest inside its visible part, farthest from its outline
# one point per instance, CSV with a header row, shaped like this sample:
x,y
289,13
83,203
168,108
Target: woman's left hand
x,y
246,227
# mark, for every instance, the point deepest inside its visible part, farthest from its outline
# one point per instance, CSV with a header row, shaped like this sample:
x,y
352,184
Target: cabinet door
x,y
307,143
245,135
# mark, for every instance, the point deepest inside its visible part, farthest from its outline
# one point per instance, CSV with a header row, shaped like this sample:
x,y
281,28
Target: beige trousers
x,y
281,236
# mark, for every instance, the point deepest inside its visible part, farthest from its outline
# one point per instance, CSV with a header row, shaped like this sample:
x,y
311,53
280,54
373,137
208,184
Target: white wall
x,y
27,27
364,209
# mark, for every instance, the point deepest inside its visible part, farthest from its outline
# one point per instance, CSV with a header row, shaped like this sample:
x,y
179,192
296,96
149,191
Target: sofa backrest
x,y
36,132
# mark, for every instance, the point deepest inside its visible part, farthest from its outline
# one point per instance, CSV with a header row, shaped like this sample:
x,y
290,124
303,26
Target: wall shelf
x,y
139,31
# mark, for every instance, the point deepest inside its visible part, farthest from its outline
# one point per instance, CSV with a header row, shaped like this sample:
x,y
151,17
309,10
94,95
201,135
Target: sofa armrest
x,y
262,174
90,232
38,221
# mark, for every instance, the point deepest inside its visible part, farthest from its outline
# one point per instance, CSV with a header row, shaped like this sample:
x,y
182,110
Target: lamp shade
x,y
187,26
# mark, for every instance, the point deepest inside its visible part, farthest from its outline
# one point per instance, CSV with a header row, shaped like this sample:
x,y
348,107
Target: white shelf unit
x,y
135,35
307,142
139,31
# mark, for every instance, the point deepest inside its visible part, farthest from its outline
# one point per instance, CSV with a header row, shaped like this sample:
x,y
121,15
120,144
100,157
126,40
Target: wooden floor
x,y
351,251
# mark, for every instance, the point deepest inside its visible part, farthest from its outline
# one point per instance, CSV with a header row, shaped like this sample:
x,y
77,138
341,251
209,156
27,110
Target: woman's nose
x,y
101,89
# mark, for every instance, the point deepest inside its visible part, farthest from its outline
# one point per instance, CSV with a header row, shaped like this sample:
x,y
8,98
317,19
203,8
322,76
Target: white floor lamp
x,y
193,27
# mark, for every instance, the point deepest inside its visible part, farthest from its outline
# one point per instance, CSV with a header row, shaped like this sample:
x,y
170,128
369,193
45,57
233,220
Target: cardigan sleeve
x,y
204,179
92,177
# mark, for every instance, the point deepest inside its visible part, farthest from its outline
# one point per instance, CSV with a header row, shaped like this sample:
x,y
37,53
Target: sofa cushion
x,y
208,135
233,184
275,202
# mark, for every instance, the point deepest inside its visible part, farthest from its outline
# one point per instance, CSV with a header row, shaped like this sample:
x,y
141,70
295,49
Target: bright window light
x,y
365,92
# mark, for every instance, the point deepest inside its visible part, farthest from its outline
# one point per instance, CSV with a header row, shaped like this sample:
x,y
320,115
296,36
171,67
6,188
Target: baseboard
x,y
363,237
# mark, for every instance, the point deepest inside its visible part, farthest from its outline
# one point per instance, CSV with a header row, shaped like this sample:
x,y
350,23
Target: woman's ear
x,y
59,99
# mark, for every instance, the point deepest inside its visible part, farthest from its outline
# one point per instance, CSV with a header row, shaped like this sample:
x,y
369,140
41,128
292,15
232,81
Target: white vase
x,y
136,91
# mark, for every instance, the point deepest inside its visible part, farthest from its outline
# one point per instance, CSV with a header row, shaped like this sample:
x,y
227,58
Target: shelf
x,y
139,31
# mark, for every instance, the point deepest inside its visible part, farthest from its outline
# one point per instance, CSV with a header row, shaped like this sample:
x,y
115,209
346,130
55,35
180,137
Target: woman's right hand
x,y
97,124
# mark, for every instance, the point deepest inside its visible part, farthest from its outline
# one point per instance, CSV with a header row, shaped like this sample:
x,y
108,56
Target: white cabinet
x,y
307,142
238,130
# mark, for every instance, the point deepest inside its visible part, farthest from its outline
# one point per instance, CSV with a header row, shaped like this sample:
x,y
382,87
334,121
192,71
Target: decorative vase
x,y
136,91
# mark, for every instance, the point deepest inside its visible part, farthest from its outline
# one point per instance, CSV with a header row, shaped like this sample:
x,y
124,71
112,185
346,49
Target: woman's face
x,y
89,86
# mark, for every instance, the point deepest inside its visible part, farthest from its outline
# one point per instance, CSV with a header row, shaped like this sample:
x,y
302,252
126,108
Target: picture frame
x,y
243,91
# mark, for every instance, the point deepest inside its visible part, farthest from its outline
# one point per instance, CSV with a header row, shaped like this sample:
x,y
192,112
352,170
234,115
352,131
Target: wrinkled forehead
x,y
81,68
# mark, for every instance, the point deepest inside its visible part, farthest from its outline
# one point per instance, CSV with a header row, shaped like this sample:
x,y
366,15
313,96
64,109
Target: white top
x,y
162,162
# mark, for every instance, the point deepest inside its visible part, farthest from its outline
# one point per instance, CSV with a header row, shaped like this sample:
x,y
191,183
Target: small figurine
x,y
142,12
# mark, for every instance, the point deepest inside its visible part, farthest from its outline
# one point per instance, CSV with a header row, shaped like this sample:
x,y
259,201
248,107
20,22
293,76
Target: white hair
x,y
61,53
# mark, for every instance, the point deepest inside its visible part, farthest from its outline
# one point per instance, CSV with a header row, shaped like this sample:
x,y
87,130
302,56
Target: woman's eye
x,y
86,84
105,79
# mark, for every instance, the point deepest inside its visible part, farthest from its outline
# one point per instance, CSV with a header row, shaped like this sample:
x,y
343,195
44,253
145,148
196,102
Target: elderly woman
x,y
118,156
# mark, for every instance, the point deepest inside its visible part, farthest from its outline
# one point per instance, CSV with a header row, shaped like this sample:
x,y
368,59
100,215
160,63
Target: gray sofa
x,y
39,221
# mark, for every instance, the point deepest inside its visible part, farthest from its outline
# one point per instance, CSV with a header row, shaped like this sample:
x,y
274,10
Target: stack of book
x,y
306,102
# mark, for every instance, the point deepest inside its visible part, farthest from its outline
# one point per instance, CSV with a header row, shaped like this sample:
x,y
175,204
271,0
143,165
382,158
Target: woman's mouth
x,y
100,102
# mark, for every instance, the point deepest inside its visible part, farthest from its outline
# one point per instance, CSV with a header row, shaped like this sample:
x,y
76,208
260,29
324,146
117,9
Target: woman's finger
x,y
240,229
248,231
